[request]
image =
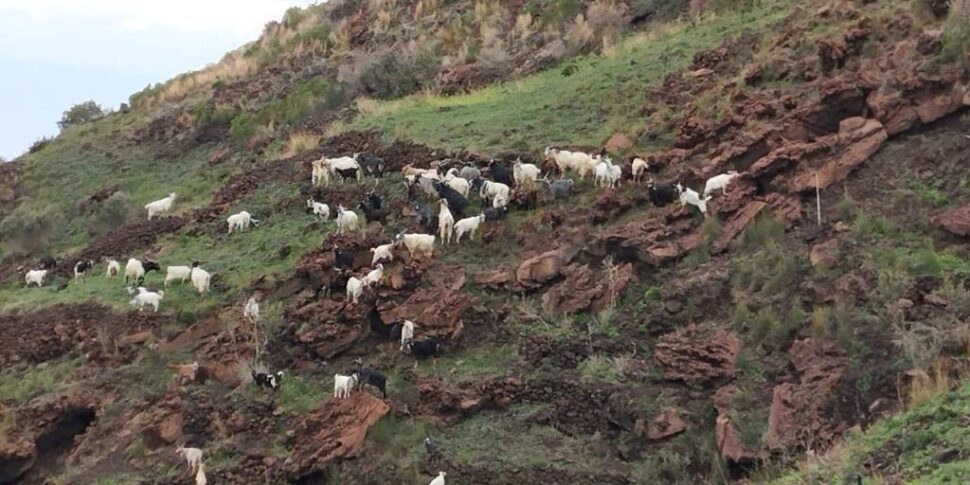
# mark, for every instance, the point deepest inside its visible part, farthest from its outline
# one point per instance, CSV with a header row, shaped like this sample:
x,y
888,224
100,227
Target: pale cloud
x,y
243,19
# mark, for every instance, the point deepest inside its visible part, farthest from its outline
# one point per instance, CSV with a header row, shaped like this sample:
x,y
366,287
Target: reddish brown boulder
x,y
797,409
335,430
496,278
895,113
617,143
736,223
956,221
933,108
820,256
582,289
437,309
855,148
665,425
536,271
726,436
697,355
17,455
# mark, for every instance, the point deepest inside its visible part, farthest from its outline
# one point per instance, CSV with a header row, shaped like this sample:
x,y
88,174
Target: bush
x,y
114,211
81,113
395,75
956,36
39,144
242,127
29,229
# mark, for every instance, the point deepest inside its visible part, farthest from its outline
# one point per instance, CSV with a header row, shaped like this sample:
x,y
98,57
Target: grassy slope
x,y
907,447
602,96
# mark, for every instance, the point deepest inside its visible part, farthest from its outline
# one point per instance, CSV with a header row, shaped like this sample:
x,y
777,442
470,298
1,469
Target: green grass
x,y
20,387
603,95
906,447
302,395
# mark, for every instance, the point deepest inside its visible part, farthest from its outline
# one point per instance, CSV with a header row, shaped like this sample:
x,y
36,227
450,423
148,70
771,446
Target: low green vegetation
x,y
22,386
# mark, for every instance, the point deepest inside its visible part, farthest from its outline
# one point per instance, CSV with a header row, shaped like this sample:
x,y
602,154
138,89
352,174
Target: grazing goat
x,y
47,262
200,279
489,190
346,167
661,194
372,165
417,243
407,333
267,380
458,184
467,225
321,210
426,184
192,456
469,172
566,160
382,253
427,218
559,189
114,267
525,174
355,286
342,385
251,310
82,267
607,174
346,220
422,349
160,206
145,297
374,276
137,270
638,169
500,173
446,222
409,171
366,376
720,182
178,273
241,221
36,276
690,196
456,201
439,480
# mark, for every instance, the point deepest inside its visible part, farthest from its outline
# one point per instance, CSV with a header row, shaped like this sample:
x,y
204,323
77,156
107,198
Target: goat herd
x,y
449,186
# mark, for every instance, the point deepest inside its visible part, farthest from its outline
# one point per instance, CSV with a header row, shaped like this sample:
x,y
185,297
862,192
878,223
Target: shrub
x,y
397,75
39,144
114,211
300,142
242,127
956,34
29,229
81,113
607,19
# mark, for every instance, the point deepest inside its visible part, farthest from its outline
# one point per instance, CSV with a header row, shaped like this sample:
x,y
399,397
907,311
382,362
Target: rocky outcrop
x,y
856,141
17,455
583,289
666,424
536,271
726,436
956,221
697,355
334,431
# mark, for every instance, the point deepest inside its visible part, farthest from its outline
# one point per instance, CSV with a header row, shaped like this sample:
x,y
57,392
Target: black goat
x,y
661,194
47,262
456,201
494,214
501,173
422,349
267,381
347,173
374,199
427,218
342,259
376,323
372,214
82,267
364,376
372,165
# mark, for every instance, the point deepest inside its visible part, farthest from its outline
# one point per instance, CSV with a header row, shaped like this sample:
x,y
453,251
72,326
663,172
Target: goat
x,y
446,222
525,174
342,259
495,213
607,174
374,199
321,210
489,190
373,214
469,225
407,332
374,276
689,196
160,206
366,376
469,172
145,297
137,270
355,287
638,169
200,475
114,267
661,194
566,160
266,380
720,182
382,253
417,243
81,267
372,165
192,456
178,273
500,173
439,480
559,189
342,385
423,349
346,220
376,323
251,310
200,279
241,221
36,276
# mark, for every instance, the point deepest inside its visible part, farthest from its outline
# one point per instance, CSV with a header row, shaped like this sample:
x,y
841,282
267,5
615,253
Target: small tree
x,y
81,113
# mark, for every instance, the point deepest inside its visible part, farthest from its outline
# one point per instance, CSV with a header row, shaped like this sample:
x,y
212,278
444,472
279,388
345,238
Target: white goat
x,y
690,196
382,252
145,297
177,273
342,385
36,276
200,475
192,456
439,480
114,267
720,182
500,201
355,286
638,169
446,222
418,243
160,206
407,332
343,163
459,184
251,310
490,190
566,160
346,220
469,225
374,276
241,221
321,173
320,209
607,174
200,280
525,174
409,171
134,270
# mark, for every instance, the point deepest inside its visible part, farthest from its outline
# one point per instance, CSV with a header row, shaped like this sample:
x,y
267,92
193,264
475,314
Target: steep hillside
x,y
599,339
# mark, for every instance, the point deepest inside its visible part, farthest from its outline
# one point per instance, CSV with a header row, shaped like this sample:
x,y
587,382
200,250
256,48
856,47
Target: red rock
x,y
736,223
936,107
219,155
495,278
856,148
849,125
135,338
617,143
726,436
696,355
581,289
820,257
894,112
17,455
544,267
665,425
956,221
333,431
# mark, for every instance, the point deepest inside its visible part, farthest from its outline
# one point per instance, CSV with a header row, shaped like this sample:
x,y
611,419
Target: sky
x,y
57,53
